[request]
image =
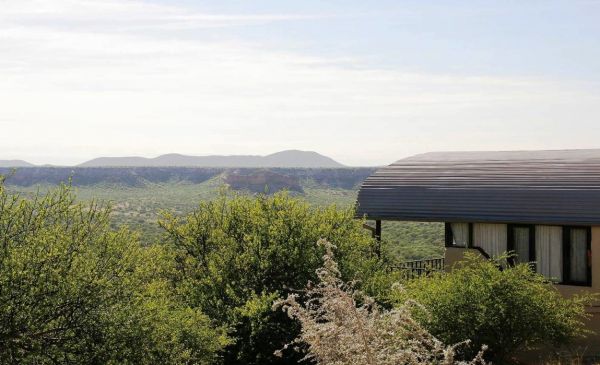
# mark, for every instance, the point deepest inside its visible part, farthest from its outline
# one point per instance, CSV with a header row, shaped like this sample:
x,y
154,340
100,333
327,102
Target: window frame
x,y
449,239
510,244
566,246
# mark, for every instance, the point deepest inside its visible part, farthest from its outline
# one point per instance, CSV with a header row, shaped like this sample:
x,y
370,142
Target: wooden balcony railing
x,y
416,268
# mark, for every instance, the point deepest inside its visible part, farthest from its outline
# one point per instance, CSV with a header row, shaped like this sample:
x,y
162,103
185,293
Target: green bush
x,y
509,310
236,255
74,291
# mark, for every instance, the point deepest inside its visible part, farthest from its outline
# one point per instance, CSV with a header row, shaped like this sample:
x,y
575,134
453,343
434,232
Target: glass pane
x,y
490,237
578,255
460,234
521,240
548,251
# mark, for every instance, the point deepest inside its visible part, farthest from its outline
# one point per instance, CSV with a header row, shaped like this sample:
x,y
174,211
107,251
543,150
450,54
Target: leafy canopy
x,y
74,291
237,254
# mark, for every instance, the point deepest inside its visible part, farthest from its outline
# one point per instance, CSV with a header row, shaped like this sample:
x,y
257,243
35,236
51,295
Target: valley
x,y
137,195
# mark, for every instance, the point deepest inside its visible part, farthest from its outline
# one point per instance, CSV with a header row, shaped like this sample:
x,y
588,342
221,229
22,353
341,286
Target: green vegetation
x,y
78,286
139,207
407,241
508,310
239,254
73,290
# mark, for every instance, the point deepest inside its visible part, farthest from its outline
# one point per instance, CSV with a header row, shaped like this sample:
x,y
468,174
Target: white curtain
x,y
521,239
548,251
460,234
578,254
491,238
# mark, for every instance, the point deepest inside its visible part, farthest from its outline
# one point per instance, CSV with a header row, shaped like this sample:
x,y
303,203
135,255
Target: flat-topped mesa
x,y
291,159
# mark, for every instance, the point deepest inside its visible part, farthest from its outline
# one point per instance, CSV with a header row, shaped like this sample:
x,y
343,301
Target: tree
x,y
74,291
508,310
236,255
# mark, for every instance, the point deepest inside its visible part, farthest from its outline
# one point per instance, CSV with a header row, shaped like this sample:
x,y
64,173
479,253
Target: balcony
x,y
417,268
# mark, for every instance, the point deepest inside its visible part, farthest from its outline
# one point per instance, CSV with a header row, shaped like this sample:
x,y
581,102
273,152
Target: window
x,y
521,241
549,252
561,254
458,234
491,238
576,251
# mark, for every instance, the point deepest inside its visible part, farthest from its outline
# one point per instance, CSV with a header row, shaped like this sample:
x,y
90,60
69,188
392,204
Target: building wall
x,y
589,346
455,255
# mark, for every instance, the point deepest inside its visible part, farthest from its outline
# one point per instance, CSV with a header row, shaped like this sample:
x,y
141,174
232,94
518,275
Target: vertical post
x,y
470,242
589,256
378,238
510,245
532,253
566,245
448,234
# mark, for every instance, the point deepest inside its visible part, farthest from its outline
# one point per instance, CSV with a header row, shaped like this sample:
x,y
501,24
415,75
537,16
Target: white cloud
x,y
88,78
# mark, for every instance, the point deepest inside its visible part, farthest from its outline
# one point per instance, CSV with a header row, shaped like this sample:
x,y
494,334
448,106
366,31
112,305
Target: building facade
x,y
543,206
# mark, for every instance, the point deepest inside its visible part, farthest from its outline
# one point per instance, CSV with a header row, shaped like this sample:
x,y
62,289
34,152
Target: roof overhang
x,y
510,187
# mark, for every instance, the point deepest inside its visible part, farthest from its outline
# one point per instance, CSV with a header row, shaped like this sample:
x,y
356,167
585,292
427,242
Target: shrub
x,y
343,326
509,310
74,291
237,254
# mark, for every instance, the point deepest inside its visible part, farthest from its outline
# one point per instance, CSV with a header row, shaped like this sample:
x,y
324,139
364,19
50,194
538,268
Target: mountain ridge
x,y
288,158
283,159
15,163
254,179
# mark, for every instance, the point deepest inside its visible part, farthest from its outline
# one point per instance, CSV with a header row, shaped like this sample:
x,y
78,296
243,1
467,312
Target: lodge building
x,y
544,206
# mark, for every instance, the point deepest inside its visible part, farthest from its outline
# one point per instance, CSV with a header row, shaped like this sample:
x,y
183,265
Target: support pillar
x,y
378,238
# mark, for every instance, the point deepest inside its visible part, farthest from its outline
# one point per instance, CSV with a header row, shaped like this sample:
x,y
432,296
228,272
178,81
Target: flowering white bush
x,y
343,326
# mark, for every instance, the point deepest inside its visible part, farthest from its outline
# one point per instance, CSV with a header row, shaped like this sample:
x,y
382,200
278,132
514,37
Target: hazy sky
x,y
365,82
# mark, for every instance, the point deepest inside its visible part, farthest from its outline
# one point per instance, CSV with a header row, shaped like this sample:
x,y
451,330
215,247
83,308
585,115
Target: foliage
x,y
509,310
343,326
237,254
137,206
413,240
74,291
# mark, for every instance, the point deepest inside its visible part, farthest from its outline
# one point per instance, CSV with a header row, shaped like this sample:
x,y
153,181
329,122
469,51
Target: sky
x,y
364,82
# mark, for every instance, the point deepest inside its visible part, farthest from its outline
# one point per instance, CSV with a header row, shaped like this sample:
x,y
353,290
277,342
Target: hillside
x,y
259,181
291,158
283,178
15,163
138,194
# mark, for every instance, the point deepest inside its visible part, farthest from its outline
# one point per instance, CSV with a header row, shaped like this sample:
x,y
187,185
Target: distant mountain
x,y
15,163
116,162
250,179
291,158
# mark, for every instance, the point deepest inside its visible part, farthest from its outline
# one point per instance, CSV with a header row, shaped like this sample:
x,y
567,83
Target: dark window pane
x,y
578,255
521,240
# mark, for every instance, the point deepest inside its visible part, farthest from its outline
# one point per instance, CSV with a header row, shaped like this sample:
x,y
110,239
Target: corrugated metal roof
x,y
545,187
